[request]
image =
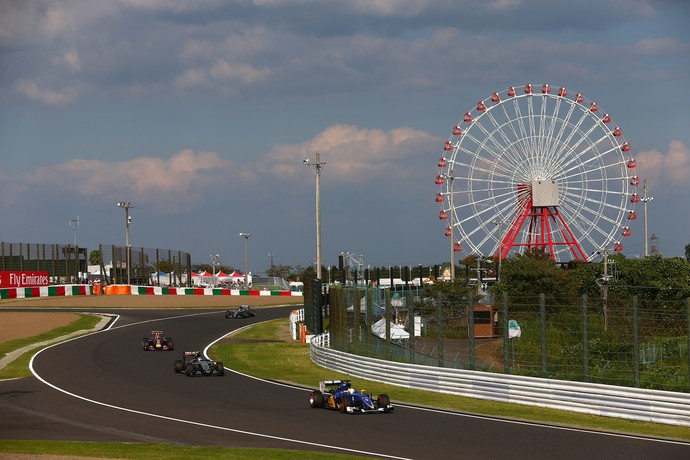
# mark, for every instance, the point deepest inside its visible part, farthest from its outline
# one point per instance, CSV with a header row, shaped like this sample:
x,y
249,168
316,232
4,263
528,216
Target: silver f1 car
x,y
243,311
194,363
339,395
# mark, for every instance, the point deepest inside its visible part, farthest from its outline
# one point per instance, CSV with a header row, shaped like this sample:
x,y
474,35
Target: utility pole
x,y
452,231
500,246
479,271
603,283
645,199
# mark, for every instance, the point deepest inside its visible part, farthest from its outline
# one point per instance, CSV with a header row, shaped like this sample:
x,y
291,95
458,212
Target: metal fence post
x,y
687,334
636,342
387,316
470,332
439,331
585,339
410,326
506,339
542,333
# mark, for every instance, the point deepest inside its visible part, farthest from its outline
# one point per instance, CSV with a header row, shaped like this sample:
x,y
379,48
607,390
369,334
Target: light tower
x,y
214,260
74,223
317,166
246,270
128,220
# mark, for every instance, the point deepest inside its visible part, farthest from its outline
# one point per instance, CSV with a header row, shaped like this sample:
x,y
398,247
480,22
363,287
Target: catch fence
x,y
624,342
70,264
64,263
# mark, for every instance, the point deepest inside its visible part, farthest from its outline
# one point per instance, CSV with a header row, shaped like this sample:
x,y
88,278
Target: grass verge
x,y
279,358
149,451
20,366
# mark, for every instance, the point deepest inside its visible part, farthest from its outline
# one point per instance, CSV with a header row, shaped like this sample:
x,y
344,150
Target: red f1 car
x,y
157,341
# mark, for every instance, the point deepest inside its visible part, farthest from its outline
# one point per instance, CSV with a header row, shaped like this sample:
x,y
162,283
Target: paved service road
x,y
112,390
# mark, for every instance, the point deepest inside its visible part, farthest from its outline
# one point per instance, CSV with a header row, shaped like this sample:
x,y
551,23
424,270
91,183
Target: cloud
x,y
355,155
170,185
60,97
71,60
660,46
669,168
246,74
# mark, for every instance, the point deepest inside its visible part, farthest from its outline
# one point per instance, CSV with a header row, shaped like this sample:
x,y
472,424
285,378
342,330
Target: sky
x,y
200,115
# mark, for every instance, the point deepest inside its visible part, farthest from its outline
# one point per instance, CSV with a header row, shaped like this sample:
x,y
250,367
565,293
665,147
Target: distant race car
x,y
193,363
157,341
243,311
339,395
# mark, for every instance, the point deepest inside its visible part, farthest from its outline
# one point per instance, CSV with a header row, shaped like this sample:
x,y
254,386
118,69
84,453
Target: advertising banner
x,y
14,279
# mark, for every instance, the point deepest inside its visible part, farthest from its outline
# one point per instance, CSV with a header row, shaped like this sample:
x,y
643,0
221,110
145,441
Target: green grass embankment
x,y
267,351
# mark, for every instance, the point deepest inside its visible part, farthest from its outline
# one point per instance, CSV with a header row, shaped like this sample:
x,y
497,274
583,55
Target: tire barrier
x,y
124,289
45,291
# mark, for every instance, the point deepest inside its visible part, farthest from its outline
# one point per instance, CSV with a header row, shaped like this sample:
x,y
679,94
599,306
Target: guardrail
x,y
604,400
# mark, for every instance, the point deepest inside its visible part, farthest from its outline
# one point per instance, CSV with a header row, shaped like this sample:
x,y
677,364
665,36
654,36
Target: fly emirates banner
x,y
12,279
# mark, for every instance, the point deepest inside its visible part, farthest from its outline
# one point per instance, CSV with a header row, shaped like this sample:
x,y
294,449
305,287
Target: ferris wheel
x,y
537,170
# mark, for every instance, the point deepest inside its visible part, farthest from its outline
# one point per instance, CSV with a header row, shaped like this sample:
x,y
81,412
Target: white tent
x,y
397,332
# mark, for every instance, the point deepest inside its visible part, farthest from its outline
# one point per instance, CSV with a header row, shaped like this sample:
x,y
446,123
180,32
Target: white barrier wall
x,y
604,400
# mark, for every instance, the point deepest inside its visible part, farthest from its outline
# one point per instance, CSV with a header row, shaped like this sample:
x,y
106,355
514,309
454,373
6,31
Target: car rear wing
x,y
330,384
189,354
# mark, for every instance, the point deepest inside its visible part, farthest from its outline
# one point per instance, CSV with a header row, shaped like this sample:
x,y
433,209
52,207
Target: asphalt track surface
x,y
104,387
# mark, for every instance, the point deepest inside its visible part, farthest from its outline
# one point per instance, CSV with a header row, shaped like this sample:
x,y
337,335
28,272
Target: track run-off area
x,y
104,387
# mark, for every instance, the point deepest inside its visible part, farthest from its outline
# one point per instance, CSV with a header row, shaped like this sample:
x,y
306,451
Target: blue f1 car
x,y
339,395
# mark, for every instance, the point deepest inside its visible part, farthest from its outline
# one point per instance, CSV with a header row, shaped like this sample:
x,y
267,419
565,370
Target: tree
x,y
280,271
525,276
687,252
652,278
95,257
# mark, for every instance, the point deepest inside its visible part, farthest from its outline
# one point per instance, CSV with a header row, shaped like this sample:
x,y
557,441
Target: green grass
x,y
20,367
149,451
279,358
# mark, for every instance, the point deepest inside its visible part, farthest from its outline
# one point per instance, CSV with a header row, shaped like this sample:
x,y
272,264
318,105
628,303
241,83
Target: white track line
x,y
189,422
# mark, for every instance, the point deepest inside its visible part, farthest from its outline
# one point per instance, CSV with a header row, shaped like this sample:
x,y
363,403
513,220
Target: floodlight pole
x,y
214,259
246,270
74,223
317,167
127,205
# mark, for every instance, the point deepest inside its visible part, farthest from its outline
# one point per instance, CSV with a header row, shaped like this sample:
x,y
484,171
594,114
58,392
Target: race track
x,y
104,387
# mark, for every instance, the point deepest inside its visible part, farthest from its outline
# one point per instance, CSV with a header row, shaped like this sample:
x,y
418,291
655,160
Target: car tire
x,y
170,345
220,369
344,403
189,370
227,314
383,400
316,399
178,366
